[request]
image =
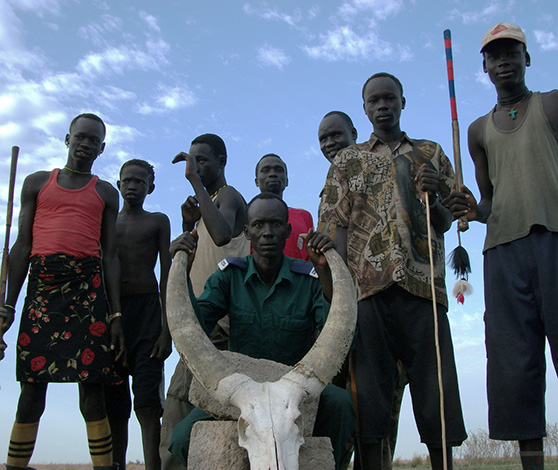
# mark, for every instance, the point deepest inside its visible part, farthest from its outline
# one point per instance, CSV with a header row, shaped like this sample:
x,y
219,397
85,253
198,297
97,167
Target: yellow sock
x,y
22,443
100,442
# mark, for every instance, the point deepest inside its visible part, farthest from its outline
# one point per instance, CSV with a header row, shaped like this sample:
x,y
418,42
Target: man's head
x,y
271,174
85,140
383,100
505,56
211,156
136,181
267,225
335,132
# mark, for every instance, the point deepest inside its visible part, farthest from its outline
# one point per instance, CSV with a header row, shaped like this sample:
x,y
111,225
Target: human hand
x,y
117,343
191,165
428,181
163,346
190,211
316,245
462,203
187,242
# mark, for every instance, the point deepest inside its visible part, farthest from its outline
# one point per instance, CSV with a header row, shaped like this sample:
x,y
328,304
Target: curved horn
x,y
328,353
203,359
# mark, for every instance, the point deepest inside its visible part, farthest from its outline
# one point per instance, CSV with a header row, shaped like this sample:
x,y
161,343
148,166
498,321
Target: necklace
x,y
217,192
512,111
77,172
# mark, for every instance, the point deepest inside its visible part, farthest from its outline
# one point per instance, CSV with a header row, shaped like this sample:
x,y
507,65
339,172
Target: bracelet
x,y
10,306
114,315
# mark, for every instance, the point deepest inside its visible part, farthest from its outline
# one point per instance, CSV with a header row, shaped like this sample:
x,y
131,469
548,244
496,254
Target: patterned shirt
x,y
371,191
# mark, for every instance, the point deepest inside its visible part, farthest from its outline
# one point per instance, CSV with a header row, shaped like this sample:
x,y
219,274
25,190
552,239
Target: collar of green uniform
x,y
284,271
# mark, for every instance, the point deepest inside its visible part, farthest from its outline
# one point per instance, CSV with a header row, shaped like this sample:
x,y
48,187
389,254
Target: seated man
x,y
285,305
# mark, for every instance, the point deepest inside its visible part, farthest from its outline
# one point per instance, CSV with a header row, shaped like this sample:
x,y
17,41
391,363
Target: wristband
x,y
114,315
9,306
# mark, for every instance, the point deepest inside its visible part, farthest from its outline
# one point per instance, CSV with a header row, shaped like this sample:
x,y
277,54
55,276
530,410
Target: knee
x,y
180,441
92,402
31,404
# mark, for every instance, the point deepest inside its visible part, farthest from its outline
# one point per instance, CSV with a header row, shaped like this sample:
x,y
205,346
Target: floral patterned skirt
x,y
64,334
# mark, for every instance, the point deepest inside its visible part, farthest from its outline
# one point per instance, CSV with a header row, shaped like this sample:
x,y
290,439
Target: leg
x,y
177,407
437,458
369,456
30,408
119,407
532,454
92,407
150,422
180,440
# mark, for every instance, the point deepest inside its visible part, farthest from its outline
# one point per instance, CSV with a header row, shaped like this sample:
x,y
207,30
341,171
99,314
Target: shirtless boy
x,y
142,238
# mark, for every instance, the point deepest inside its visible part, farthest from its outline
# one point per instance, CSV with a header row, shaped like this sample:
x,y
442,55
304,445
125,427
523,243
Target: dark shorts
x,y
395,324
141,321
521,296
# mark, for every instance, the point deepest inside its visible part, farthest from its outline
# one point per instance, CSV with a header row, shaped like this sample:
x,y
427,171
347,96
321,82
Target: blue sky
x,y
261,74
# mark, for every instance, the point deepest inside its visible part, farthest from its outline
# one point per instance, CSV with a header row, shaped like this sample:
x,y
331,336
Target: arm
x,y
463,202
550,106
18,261
220,220
111,265
316,245
163,346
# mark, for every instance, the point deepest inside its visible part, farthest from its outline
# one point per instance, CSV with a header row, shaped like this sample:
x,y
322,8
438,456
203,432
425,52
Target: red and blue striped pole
x,y
463,224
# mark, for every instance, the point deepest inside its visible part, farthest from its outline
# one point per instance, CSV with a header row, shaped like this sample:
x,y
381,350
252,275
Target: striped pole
x,y
463,223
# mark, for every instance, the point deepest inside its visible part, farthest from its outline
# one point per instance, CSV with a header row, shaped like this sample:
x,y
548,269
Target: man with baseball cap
x,y
515,151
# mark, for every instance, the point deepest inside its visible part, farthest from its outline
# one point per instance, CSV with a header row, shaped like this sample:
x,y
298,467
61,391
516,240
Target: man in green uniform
x,y
276,306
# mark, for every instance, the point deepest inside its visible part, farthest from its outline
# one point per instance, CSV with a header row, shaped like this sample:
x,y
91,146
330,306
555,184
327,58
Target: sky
x,y
261,74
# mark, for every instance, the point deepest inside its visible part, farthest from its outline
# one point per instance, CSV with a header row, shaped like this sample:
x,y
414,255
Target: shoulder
x,y
550,106
230,195
304,268
107,191
36,180
159,217
231,262
477,126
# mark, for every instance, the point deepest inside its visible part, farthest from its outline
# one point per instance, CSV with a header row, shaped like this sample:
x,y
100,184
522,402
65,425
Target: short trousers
x,y
392,325
141,321
521,296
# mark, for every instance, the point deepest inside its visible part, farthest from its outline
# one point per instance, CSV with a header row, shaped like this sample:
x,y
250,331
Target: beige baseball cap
x,y
503,31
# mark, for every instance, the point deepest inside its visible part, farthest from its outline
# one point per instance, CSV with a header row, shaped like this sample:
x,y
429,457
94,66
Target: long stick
x,y
462,224
436,336
5,251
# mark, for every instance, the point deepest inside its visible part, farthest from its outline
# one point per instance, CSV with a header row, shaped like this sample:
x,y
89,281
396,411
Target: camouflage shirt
x,y
371,191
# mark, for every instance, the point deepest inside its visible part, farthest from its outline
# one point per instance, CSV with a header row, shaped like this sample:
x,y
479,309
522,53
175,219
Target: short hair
x,y
214,141
141,163
270,155
269,195
343,116
383,74
89,116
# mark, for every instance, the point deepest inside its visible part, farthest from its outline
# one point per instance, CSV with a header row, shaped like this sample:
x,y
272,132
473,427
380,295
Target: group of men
x,y
95,314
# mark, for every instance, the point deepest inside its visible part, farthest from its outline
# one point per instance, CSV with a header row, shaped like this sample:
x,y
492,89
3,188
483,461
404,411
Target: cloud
x,y
39,7
150,20
546,40
381,9
272,14
169,99
272,56
343,43
482,78
494,9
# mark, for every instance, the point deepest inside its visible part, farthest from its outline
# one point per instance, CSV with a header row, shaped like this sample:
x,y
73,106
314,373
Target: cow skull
x,y
270,424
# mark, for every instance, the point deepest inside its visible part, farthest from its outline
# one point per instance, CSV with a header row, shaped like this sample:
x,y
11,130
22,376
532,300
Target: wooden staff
x,y
5,251
459,258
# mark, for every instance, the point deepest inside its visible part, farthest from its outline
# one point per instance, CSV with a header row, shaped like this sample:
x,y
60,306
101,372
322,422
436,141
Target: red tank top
x,y
68,220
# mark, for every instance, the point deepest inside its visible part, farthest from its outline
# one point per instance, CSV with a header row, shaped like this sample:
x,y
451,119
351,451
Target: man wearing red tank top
x,y
66,240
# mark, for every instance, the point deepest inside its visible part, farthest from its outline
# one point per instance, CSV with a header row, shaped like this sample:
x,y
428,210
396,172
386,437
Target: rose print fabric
x,y
64,332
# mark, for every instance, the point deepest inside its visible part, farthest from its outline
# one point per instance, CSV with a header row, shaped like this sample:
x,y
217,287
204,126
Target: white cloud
x,y
272,14
482,78
169,99
381,9
344,44
150,20
97,31
546,40
39,7
272,56
493,9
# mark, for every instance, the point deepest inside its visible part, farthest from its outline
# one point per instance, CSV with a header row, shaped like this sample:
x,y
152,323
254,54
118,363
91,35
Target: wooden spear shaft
x,y
5,251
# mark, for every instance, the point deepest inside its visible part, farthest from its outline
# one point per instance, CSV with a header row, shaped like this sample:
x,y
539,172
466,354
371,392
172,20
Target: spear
x,y
5,251
459,259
